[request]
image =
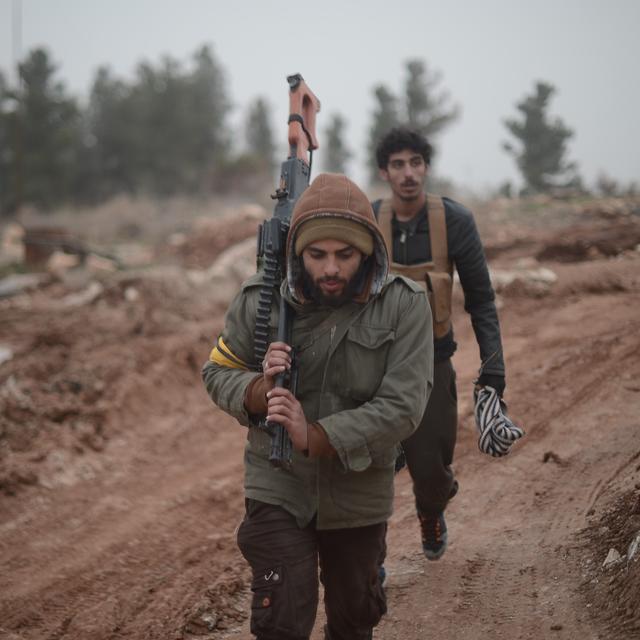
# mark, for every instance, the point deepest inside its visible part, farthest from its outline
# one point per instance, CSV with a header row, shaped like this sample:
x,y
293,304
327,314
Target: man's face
x,y
406,173
330,269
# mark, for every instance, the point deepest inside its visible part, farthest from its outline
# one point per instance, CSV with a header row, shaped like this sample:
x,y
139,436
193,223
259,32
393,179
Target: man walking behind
x,y
364,347
428,236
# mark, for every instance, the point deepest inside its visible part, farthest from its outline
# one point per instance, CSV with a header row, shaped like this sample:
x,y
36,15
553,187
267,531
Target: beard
x,y
409,198
350,289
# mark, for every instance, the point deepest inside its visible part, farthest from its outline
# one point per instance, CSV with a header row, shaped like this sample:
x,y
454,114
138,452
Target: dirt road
x,y
121,483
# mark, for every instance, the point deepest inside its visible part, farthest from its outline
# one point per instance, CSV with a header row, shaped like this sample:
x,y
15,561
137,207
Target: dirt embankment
x,y
120,484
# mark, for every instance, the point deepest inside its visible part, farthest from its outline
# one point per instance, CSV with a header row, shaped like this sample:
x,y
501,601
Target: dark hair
x,y
399,139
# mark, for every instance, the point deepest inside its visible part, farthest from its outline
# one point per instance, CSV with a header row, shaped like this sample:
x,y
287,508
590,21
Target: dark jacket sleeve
x,y
466,251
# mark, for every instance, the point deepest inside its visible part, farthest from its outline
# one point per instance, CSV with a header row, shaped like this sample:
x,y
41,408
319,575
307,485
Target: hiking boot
x,y
434,535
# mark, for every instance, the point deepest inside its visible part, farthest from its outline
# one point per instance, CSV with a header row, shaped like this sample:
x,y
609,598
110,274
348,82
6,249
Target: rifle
x,y
272,238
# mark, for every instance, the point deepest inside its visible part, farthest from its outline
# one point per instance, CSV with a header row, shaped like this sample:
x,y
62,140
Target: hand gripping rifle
x,y
272,238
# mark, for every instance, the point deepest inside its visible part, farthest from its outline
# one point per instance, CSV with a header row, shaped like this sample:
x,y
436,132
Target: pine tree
x,y
427,108
164,133
337,155
259,135
209,108
8,131
385,117
424,107
112,136
44,136
541,155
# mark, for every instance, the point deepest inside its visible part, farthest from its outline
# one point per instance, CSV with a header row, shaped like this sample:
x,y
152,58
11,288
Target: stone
x,y
634,547
232,267
20,282
6,354
59,262
93,291
613,557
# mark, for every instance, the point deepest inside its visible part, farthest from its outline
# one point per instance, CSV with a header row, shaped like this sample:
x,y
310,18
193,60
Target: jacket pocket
x,y
370,337
365,357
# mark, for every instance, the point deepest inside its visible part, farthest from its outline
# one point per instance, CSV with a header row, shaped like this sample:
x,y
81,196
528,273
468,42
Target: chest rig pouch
x,y
436,276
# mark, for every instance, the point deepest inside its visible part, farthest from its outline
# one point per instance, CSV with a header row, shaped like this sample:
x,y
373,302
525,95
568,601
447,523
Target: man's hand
x,y
284,409
488,380
276,361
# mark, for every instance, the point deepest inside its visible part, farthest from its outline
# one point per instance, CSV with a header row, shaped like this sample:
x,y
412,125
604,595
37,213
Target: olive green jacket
x,y
365,375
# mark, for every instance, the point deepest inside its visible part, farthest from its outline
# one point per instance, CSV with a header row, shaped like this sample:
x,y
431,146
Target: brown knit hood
x,y
332,195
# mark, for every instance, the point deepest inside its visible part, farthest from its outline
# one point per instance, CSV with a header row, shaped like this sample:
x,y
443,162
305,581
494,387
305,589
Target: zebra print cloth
x,y
497,431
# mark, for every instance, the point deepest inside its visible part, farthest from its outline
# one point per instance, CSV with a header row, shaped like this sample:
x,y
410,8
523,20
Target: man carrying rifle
x,y
363,346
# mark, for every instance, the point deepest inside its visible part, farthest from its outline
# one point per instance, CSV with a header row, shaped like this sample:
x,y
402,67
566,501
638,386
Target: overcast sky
x,y
490,54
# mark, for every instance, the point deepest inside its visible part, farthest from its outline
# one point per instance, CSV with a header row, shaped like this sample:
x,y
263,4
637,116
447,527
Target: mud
x,y
121,485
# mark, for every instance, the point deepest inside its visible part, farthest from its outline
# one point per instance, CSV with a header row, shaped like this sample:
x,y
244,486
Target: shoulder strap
x,y
438,232
385,215
437,229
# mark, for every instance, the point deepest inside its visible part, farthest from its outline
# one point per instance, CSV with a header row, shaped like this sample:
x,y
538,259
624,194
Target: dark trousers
x,y
429,450
284,560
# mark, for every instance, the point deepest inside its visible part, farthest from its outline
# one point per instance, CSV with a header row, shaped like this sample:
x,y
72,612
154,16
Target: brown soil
x,y
121,485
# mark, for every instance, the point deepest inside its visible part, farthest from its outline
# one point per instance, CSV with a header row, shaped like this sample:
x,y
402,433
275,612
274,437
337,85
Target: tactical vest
x,y
435,276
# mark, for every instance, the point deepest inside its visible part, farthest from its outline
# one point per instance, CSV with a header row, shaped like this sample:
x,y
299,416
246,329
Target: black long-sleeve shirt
x,y
411,245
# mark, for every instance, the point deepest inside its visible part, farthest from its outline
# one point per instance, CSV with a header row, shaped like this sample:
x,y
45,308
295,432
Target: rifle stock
x,y
295,174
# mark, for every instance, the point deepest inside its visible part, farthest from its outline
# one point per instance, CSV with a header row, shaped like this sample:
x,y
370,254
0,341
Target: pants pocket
x,y
284,563
275,613
266,603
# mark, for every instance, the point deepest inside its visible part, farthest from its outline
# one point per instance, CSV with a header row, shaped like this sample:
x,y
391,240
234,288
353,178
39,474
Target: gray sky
x,y
489,52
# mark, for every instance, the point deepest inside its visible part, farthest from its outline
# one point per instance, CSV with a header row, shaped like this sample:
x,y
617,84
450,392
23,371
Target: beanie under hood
x,y
333,195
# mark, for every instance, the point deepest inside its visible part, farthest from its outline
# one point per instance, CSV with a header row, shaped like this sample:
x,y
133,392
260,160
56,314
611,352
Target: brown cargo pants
x,y
284,560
